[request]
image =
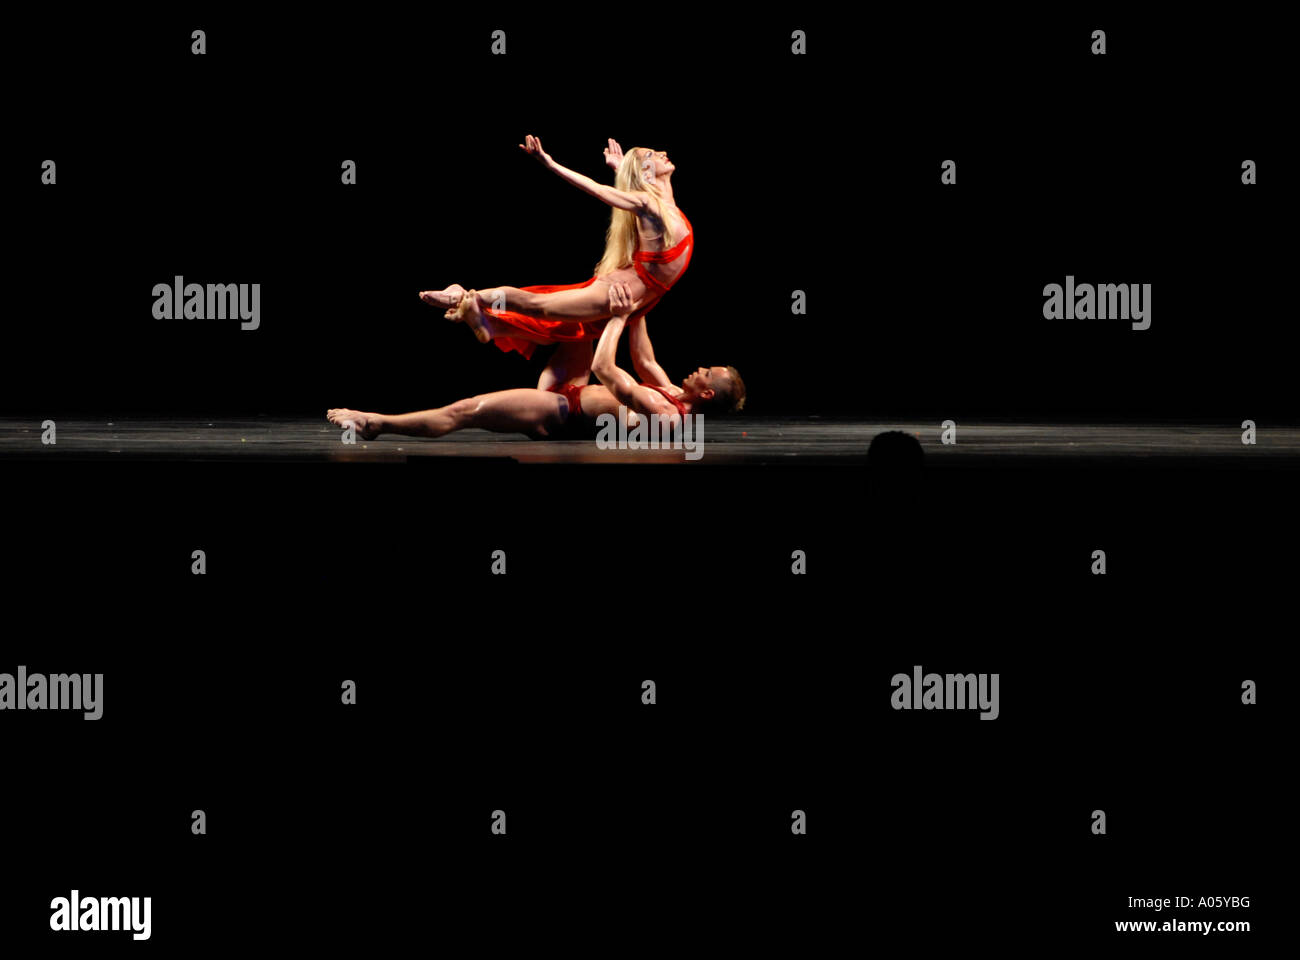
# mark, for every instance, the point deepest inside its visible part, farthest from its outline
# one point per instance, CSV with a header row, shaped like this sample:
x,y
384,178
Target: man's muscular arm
x,y
643,354
620,383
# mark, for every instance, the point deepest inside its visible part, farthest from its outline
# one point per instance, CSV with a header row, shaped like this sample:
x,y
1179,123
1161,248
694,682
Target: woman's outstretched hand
x,y
613,155
533,146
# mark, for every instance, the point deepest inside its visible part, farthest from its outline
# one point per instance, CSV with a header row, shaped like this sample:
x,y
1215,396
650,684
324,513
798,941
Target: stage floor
x,y
747,440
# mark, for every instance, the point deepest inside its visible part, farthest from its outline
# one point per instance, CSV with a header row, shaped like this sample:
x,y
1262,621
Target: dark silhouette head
x,y
895,454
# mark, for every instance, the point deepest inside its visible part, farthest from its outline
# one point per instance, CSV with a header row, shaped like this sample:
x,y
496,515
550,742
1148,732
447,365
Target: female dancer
x,y
647,247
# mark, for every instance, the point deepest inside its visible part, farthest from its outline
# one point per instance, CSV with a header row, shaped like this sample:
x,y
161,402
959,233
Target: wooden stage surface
x,y
739,441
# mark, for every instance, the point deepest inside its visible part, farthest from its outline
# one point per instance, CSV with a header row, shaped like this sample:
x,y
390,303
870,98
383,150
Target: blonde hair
x,y
621,237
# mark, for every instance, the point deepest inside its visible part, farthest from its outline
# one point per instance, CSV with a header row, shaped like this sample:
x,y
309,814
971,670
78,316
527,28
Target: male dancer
x,y
568,409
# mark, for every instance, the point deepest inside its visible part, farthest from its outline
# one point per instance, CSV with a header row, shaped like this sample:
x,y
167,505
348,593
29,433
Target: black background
x,y
818,173
634,826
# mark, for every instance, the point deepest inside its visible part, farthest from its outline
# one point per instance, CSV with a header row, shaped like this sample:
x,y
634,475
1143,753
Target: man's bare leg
x,y
570,363
506,411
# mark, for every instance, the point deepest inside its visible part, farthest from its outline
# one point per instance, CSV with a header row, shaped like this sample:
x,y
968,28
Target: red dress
x,y
567,331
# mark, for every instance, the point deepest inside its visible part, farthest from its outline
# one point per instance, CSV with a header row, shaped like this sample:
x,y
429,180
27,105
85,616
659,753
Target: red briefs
x,y
568,331
577,425
573,393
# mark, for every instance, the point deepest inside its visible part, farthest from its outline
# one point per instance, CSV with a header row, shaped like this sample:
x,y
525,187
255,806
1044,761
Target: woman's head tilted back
x,y
639,171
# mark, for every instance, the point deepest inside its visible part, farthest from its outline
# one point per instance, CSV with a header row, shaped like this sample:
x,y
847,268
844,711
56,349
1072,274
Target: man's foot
x,y
366,424
472,314
447,299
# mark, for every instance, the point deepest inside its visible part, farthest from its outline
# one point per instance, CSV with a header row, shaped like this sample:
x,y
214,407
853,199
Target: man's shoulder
x,y
670,388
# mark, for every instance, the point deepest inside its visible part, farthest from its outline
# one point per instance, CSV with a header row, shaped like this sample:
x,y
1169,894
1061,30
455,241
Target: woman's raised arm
x,y
613,155
623,199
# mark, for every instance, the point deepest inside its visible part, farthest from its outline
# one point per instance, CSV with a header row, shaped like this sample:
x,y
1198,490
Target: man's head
x,y
715,390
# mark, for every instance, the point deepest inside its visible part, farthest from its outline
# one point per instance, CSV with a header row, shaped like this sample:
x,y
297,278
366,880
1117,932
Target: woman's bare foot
x,y
367,424
471,313
447,299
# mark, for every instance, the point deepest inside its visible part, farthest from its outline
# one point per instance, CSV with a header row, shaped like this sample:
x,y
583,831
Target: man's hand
x,y
613,155
620,300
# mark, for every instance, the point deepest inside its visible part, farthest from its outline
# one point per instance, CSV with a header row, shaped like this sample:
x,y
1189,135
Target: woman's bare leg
x,y
505,411
446,298
487,327
585,303
497,298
